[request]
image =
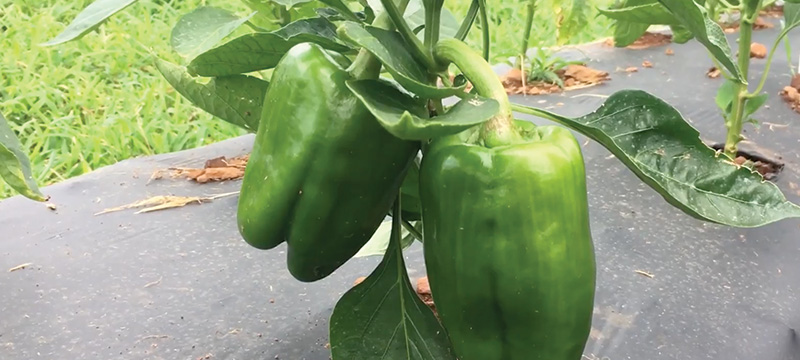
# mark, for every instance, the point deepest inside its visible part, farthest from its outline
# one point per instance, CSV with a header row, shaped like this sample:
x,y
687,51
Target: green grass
x,y
93,102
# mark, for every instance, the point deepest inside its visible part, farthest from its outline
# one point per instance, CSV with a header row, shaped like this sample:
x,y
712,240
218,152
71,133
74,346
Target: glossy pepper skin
x,y
323,173
508,247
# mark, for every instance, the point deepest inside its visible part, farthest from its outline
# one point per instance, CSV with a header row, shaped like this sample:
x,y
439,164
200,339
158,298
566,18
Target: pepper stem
x,y
500,129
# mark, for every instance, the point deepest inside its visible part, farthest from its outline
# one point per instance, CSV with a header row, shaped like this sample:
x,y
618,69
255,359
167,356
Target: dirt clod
x,y
758,51
792,96
669,52
647,64
713,72
791,93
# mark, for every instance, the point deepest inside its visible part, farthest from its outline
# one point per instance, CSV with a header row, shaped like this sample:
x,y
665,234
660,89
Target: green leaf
x,y
652,139
259,51
406,117
754,103
379,242
203,28
342,9
646,12
706,31
384,318
237,99
626,32
791,14
89,19
680,34
448,25
389,48
725,96
15,168
291,3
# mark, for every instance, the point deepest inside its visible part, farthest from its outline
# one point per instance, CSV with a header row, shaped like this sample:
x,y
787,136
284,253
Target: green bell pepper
x,y
323,173
508,247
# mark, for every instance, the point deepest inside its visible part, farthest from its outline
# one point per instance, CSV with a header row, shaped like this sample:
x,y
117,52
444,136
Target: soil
x,y
424,293
774,11
769,169
574,77
648,40
791,93
760,24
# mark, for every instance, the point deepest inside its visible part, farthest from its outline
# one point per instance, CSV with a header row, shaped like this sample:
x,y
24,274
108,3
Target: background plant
x,y
698,20
646,134
91,103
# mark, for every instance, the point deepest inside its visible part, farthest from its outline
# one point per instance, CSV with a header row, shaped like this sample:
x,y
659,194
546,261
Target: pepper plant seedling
x,y
379,70
543,65
699,20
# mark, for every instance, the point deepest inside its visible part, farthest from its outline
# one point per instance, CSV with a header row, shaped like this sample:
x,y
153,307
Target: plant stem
x,y
366,65
485,29
734,122
417,48
466,25
413,231
544,114
526,37
433,15
788,48
763,80
500,129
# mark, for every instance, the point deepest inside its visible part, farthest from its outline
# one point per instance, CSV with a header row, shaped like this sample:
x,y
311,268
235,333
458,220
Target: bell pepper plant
x,y
699,20
356,118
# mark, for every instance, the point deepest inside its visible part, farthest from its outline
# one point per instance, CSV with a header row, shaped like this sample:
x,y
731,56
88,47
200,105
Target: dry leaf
x,y
644,273
19,267
359,280
217,169
163,202
669,51
631,69
761,24
647,64
758,51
